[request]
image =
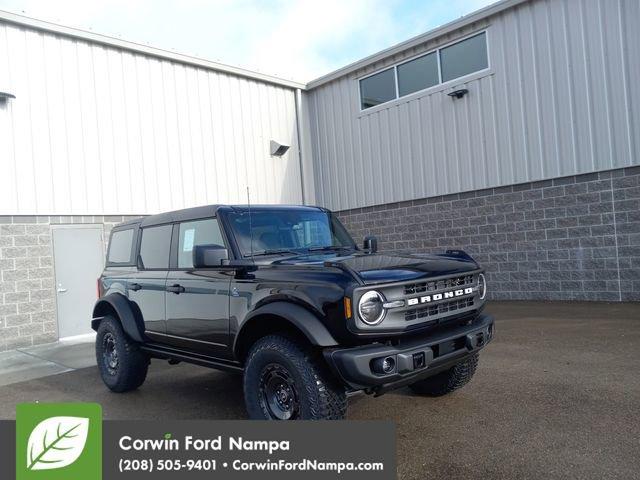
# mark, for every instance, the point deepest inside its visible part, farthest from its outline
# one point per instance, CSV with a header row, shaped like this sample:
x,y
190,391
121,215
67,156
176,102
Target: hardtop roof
x,y
204,211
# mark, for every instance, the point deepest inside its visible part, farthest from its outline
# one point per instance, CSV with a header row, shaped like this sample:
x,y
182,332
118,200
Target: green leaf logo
x,y
56,442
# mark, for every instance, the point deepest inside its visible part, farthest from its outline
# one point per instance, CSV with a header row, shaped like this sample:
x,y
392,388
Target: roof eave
x,y
143,49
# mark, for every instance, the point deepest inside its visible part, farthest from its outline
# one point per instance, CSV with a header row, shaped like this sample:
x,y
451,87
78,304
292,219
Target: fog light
x,y
388,365
384,365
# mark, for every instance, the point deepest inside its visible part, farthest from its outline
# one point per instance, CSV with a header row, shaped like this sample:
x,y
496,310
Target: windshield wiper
x,y
329,247
274,252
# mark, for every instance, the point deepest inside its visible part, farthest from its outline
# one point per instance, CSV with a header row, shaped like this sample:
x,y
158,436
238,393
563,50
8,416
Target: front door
x,y
198,300
78,255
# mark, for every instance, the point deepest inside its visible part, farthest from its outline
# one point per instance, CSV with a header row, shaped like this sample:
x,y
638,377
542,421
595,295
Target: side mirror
x,y
208,256
371,244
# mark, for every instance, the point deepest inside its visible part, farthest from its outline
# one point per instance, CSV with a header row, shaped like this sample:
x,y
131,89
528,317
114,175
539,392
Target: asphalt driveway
x,y
557,395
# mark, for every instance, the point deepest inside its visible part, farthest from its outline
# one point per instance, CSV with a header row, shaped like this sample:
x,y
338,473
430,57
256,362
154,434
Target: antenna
x,y
250,222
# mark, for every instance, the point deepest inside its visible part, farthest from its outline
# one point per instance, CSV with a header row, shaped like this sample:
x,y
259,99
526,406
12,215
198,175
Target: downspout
x,y
298,100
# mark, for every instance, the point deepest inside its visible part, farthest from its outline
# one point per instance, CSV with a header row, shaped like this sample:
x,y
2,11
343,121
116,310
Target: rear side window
x,y
199,232
121,246
155,246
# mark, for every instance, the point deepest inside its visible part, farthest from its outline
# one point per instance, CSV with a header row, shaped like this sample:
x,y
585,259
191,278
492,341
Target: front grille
x,y
443,284
439,309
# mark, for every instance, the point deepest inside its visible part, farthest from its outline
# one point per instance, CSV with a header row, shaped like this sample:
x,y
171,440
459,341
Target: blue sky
x,y
299,40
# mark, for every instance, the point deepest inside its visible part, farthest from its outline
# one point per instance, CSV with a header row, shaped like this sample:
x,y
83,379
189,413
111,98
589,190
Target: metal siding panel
x,y
369,177
147,183
42,168
92,159
545,44
73,127
218,128
120,129
258,144
97,130
56,104
487,111
348,161
601,123
565,98
8,180
628,17
615,77
427,146
580,74
530,92
184,126
208,159
404,183
158,165
265,128
504,112
106,138
199,179
440,161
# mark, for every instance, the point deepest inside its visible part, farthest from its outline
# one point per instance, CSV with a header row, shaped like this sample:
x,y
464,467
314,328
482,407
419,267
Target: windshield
x,y
281,231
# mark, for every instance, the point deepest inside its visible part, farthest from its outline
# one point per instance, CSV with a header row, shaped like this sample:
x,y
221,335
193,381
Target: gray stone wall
x,y
572,238
27,285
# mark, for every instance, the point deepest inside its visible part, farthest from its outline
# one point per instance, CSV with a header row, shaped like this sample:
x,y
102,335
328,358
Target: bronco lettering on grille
x,y
440,296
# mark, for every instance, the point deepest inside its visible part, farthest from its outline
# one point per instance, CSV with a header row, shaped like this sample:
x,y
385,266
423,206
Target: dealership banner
x,y
71,441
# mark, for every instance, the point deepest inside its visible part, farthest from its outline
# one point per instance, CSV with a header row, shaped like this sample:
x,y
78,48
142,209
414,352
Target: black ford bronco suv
x,y
285,296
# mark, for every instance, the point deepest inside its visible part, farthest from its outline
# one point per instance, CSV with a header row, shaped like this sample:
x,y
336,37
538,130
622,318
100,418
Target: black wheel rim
x,y
278,394
109,353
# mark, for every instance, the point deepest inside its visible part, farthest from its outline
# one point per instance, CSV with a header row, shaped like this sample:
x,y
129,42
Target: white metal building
x,y
531,164
95,129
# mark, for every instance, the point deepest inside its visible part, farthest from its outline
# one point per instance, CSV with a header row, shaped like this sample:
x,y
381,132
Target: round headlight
x,y
482,286
370,308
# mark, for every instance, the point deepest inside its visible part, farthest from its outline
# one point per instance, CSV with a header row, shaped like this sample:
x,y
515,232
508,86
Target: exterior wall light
x,y
277,149
458,93
6,96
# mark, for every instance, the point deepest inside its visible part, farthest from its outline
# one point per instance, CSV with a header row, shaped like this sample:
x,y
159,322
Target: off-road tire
x,y
319,396
132,364
449,380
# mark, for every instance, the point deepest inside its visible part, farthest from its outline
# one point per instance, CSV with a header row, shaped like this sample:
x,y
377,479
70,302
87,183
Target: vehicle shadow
x,y
180,392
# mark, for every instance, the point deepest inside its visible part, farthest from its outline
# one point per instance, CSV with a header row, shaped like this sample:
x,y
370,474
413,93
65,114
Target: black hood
x,y
384,268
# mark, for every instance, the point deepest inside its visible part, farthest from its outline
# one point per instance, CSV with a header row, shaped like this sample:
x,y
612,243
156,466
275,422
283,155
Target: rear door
x,y
146,288
197,299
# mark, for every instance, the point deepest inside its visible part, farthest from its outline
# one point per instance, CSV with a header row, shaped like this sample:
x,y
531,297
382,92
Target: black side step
x,y
156,351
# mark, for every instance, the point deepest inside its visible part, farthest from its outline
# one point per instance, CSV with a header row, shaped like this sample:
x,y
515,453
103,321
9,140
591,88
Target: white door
x,y
78,258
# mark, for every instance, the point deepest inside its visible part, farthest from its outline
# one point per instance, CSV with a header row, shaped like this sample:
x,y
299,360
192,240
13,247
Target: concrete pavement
x,y
556,395
29,363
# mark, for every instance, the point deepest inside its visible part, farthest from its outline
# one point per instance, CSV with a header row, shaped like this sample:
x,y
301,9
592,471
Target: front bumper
x,y
414,359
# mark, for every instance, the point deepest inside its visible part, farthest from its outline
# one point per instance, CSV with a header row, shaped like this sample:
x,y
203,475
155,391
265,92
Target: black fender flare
x,y
301,318
131,324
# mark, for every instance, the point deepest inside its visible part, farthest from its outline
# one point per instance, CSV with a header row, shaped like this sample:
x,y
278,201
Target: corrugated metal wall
x,y
560,98
100,130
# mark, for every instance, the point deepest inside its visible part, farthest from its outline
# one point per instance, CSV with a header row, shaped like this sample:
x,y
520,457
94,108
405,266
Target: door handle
x,y
177,289
134,286
62,290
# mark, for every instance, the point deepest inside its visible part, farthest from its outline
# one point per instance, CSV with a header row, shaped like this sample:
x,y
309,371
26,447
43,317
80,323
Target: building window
x,y
378,88
442,65
200,232
155,246
418,74
464,57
